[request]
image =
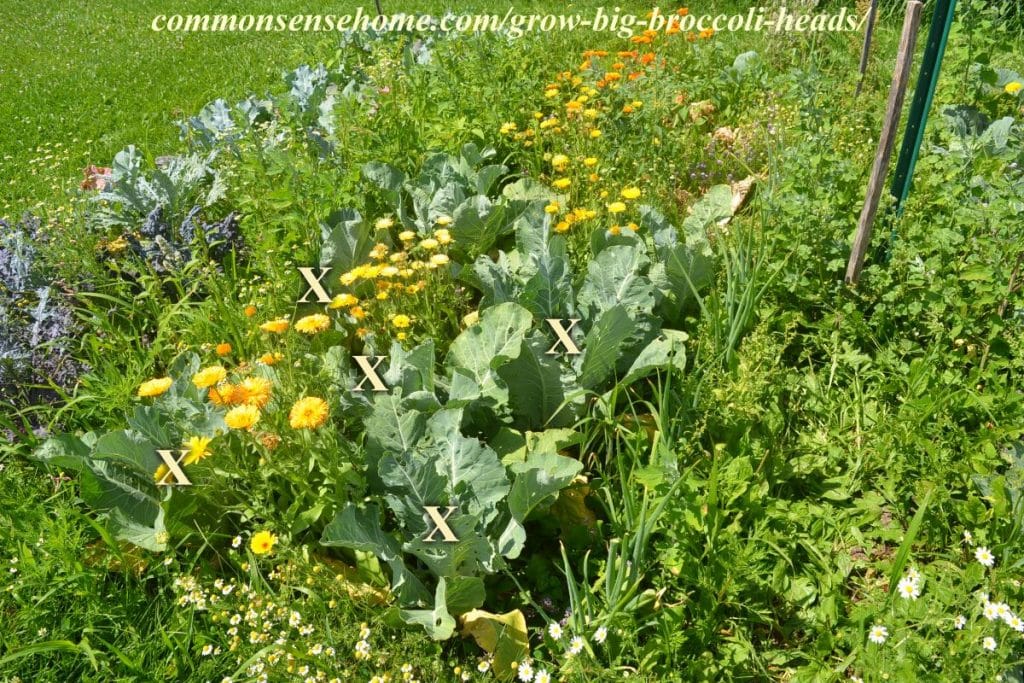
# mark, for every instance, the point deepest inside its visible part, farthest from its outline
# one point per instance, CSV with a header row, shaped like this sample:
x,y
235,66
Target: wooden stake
x,y
897,93
866,50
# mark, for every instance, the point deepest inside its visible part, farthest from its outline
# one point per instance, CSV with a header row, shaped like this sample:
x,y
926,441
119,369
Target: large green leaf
x,y
412,370
413,483
358,529
346,241
666,351
538,480
492,342
437,622
477,224
129,448
535,392
475,476
615,278
604,345
116,486
66,451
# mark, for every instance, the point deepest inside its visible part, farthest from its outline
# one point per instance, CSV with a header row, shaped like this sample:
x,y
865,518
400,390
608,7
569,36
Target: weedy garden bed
x,y
384,378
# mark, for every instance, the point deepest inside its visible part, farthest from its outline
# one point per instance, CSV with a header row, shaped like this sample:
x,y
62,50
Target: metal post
x,y
924,92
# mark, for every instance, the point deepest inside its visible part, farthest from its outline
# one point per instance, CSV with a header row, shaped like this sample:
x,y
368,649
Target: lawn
x,y
447,356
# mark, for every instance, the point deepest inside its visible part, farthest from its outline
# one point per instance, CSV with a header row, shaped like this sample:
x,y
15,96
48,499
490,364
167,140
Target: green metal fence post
x,y
924,92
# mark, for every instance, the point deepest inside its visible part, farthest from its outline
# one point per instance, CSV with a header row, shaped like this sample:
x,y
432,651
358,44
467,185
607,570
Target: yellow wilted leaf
x,y
504,636
349,579
571,510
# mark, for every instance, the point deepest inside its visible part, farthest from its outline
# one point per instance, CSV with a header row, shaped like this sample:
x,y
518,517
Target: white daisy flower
x,y
968,536
576,645
525,672
236,541
989,643
984,556
1016,623
959,622
207,650
555,631
909,589
878,634
600,634
990,611
542,676
483,666
1003,610
913,574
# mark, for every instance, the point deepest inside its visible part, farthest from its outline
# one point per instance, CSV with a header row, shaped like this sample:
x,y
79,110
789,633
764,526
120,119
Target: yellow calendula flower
x,y
242,417
311,324
552,207
407,235
561,183
429,244
401,321
630,192
357,312
559,162
562,226
443,236
443,220
384,223
348,278
594,134
207,377
616,207
308,413
276,326
256,391
154,387
508,127
198,448
343,301
1013,87
262,542
590,161
439,259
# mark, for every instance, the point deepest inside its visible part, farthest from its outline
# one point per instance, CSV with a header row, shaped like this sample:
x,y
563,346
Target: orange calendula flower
x,y
242,417
207,377
682,11
250,311
277,326
357,312
255,391
154,387
311,324
221,395
308,413
223,349
262,542
271,358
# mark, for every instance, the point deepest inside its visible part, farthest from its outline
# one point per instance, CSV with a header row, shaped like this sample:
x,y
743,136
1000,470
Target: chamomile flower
x,y
989,643
555,631
878,634
525,672
1015,622
909,589
984,556
600,635
959,622
576,645
542,676
990,610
